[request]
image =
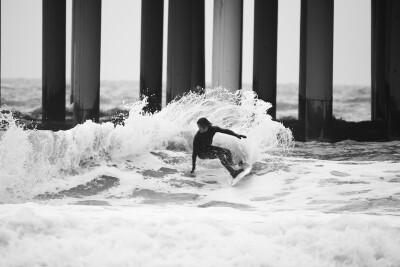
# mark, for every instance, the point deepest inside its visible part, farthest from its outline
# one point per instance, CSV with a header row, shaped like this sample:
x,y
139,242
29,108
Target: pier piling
x,y
185,55
151,48
393,40
265,51
227,44
53,65
86,62
0,54
302,61
318,68
378,60
385,65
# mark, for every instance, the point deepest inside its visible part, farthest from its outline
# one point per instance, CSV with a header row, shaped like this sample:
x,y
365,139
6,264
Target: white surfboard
x,y
247,169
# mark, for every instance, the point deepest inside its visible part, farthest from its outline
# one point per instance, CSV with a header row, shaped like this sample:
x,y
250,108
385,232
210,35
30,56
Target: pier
x,y
185,55
186,58
86,38
53,70
385,69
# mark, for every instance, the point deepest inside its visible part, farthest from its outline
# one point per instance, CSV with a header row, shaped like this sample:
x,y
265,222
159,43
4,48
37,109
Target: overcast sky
x,y
21,42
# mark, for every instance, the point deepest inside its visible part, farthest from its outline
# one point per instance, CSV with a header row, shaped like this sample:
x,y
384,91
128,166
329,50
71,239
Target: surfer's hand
x,y
241,136
193,169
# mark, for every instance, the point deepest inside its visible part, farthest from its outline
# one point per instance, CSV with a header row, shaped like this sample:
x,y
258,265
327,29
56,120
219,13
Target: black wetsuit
x,y
203,148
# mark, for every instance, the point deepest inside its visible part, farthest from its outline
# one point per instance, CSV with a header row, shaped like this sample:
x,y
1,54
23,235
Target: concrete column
x,y
302,68
198,46
227,44
393,41
0,53
71,100
151,53
86,36
185,59
319,64
378,58
265,51
53,65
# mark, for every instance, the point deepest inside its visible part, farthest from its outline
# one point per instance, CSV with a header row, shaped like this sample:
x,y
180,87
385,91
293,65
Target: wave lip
x,y
31,158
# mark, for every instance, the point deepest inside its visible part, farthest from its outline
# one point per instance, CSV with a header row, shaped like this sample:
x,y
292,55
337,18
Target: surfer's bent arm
x,y
194,155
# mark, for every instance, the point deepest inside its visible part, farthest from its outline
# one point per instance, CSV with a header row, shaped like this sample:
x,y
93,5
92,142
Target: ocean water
x,y
99,195
351,103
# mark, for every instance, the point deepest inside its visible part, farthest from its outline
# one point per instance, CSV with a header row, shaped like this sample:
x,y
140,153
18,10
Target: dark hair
x,y
204,122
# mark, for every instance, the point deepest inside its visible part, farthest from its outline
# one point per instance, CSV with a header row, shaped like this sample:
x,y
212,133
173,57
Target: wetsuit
x,y
204,150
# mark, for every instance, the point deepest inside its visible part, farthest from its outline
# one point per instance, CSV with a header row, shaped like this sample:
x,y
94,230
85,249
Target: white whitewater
x,y
99,195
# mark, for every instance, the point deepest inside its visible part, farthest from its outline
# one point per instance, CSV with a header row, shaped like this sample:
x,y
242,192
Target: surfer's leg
x,y
225,158
208,154
229,158
228,155
221,154
225,155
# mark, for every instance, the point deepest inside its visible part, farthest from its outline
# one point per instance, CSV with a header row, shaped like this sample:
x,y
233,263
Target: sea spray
x,y
28,157
240,111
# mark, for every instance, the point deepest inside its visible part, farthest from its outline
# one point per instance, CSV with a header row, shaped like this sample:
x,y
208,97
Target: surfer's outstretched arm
x,y
227,131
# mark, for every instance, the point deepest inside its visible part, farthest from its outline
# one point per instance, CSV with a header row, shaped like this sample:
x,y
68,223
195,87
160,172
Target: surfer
x,y
203,148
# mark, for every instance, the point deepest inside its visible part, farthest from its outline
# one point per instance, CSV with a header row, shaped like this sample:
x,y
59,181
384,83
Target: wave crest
x,y
33,156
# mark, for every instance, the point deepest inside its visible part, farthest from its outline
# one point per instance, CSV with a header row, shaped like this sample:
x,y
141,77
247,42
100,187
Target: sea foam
x,y
31,157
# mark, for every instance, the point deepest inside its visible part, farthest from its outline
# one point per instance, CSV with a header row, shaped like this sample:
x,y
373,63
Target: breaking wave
x,y
28,157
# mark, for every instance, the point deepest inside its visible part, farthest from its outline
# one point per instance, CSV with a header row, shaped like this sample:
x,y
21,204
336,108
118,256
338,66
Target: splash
x,y
28,157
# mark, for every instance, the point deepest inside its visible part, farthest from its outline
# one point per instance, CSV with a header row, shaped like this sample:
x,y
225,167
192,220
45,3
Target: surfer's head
x,y
203,124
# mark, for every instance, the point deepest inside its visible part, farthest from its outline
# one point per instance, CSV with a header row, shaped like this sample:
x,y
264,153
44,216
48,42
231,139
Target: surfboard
x,y
247,169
